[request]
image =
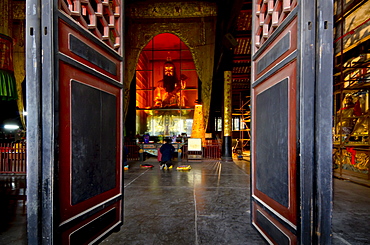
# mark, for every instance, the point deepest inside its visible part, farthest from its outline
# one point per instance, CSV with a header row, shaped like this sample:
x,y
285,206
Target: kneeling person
x,y
167,151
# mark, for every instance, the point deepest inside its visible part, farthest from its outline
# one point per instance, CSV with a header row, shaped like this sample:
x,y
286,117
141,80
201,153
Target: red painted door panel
x,y
89,120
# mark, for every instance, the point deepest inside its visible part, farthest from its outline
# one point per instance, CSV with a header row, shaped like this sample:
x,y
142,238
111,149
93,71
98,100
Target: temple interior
x,y
187,71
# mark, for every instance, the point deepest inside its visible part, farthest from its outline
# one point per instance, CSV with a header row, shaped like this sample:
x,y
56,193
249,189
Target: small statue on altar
x,y
181,102
146,138
160,95
160,138
362,125
350,109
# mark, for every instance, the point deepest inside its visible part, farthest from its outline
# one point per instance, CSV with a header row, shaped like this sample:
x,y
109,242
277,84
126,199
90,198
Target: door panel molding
x,y
81,66
99,223
288,212
89,212
293,56
66,30
276,213
65,138
265,223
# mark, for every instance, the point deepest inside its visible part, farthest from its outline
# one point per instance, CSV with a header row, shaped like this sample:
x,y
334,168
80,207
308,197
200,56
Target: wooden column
x,y
227,130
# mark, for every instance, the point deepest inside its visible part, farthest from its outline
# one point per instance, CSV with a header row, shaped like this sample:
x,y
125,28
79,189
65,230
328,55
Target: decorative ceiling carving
x,y
172,10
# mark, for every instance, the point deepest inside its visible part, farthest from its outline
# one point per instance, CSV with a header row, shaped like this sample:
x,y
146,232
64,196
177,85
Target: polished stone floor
x,y
13,210
209,204
351,213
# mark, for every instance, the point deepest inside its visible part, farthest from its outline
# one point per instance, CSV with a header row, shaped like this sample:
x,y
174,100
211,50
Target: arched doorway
x,y
166,88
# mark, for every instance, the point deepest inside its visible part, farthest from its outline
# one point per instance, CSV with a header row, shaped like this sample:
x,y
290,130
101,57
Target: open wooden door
x,y
291,120
74,99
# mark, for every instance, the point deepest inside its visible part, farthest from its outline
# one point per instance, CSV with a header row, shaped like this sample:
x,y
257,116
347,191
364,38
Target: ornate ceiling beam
x,y
172,10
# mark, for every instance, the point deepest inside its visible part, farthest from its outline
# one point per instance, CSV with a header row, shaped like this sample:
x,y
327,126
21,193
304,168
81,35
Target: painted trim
x,y
87,69
92,209
275,212
277,67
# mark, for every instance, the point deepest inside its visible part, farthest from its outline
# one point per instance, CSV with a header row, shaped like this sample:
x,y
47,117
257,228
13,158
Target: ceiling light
x,y
11,126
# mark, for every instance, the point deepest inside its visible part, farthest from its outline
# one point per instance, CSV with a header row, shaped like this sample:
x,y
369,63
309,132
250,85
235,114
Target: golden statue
x,y
168,91
348,112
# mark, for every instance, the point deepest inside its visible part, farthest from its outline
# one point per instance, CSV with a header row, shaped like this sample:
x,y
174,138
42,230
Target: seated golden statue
x,y
346,116
175,98
362,124
160,95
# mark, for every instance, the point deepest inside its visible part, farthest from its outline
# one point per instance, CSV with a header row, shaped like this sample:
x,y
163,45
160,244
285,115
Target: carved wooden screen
x,y
286,134
269,15
100,17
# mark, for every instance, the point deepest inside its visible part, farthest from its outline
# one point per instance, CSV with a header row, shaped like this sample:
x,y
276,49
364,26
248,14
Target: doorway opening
x,y
166,88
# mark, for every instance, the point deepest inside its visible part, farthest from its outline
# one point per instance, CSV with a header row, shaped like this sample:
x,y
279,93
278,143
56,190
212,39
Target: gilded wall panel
x,y
355,31
6,16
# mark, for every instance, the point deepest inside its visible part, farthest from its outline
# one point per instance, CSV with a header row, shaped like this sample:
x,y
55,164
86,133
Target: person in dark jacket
x,y
166,150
